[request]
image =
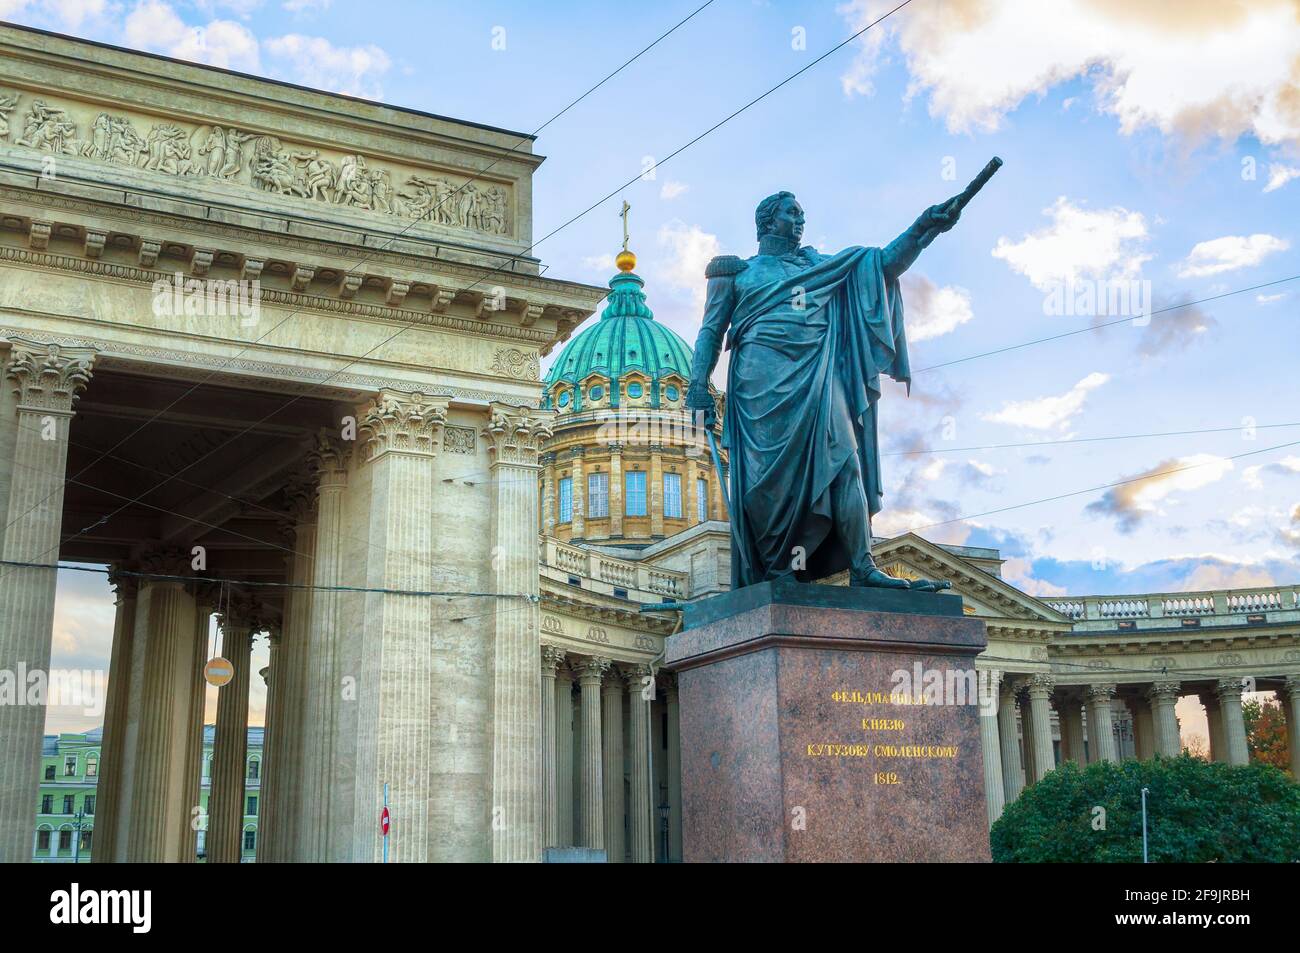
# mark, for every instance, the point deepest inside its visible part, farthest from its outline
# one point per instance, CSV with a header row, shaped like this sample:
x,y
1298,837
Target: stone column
x,y
640,806
516,435
1214,725
549,501
45,379
591,796
578,524
113,744
1101,728
615,489
552,659
268,822
293,670
1070,711
611,719
1289,696
205,600
1144,740
991,748
674,773
564,756
230,742
1163,696
689,492
1234,724
1013,781
1040,710
329,461
395,720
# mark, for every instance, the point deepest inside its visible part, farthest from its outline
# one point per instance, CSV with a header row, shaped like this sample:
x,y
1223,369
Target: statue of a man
x,y
809,336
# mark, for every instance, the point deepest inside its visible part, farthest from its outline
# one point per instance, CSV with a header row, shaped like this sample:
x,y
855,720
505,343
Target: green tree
x,y
1197,812
1266,734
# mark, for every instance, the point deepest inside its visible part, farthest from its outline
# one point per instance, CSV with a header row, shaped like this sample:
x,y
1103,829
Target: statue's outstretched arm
x,y
903,250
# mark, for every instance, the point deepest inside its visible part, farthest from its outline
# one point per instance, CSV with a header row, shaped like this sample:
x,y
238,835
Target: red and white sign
x,y
383,822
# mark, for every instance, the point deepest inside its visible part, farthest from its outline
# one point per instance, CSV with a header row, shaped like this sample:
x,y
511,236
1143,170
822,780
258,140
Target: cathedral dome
x,y
626,359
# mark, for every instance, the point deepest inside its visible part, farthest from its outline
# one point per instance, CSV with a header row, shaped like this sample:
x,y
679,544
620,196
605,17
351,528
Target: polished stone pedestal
x,y
797,744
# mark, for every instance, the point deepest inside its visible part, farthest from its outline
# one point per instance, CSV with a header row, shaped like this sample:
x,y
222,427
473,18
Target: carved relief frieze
x,y
256,161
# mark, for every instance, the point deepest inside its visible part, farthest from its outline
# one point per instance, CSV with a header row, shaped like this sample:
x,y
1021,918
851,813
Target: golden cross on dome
x,y
623,215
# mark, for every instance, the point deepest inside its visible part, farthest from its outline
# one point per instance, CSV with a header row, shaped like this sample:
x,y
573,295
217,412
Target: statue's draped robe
x,y
803,383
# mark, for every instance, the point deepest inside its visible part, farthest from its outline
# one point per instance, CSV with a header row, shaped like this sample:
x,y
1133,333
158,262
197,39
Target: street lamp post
x,y
77,826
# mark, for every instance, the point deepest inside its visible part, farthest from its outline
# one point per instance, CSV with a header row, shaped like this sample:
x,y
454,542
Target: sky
x,y
1147,145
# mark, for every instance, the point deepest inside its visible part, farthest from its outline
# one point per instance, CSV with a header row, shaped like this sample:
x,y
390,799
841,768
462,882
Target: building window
x,y
634,492
702,499
634,390
254,769
68,799
250,840
49,772
70,766
566,499
673,495
42,840
85,840
88,805
207,767
47,804
252,806
597,494
92,766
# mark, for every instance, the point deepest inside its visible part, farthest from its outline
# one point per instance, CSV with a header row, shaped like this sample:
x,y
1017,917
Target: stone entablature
x,y
150,120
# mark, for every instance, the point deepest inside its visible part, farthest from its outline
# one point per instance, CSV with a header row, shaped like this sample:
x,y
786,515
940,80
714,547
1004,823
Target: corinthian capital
x,y
516,434
48,377
404,423
328,458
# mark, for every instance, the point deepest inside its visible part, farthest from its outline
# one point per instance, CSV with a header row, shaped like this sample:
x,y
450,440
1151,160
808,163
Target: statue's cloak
x,y
807,352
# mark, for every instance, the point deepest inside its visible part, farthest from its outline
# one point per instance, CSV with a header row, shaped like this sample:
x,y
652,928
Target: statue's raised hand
x,y
943,216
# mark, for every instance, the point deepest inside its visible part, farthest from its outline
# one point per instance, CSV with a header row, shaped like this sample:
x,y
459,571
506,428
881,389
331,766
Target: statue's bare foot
x,y
876,579
930,585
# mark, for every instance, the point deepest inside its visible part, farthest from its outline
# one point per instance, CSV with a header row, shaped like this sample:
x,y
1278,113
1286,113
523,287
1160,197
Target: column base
x,y
776,681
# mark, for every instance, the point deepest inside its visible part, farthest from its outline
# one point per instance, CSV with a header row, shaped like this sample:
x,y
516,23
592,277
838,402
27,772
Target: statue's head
x,y
781,215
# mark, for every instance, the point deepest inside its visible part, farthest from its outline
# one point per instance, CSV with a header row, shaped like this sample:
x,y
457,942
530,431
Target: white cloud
x,y
306,6
689,249
1141,494
1079,244
1269,299
603,263
933,311
1287,466
156,26
316,62
1019,572
1205,68
1279,175
672,189
1230,253
1046,413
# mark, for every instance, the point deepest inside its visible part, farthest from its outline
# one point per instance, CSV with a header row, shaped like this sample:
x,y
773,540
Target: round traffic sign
x,y
383,822
218,671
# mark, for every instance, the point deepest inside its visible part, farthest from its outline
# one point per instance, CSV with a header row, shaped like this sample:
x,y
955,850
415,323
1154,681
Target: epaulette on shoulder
x,y
724,266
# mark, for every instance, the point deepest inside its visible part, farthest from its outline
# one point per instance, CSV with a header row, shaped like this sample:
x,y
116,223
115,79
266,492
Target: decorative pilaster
x,y
549,501
552,659
1234,723
230,744
591,806
564,756
655,491
46,380
640,827
578,494
1163,696
395,719
611,717
992,750
329,461
615,489
1101,727
1013,779
515,436
1040,710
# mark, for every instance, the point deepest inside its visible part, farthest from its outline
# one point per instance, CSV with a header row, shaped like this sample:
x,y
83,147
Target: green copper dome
x,y
640,362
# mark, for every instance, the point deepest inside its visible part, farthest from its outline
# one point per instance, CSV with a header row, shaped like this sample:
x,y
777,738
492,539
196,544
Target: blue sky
x,y
1143,141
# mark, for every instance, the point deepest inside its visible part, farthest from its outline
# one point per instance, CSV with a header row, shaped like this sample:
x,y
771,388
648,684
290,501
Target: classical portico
x,y
257,333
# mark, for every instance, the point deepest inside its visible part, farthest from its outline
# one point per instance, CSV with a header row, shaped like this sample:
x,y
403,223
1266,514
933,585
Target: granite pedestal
x,y
797,744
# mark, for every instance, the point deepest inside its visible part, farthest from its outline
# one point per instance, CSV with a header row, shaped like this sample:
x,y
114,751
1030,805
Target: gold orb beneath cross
x,y
625,261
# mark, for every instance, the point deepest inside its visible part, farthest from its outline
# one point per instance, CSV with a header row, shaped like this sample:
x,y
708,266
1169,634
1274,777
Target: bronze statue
x,y
809,336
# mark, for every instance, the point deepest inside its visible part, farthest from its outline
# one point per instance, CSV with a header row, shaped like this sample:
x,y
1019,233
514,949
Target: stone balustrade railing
x,y
1163,610
602,572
